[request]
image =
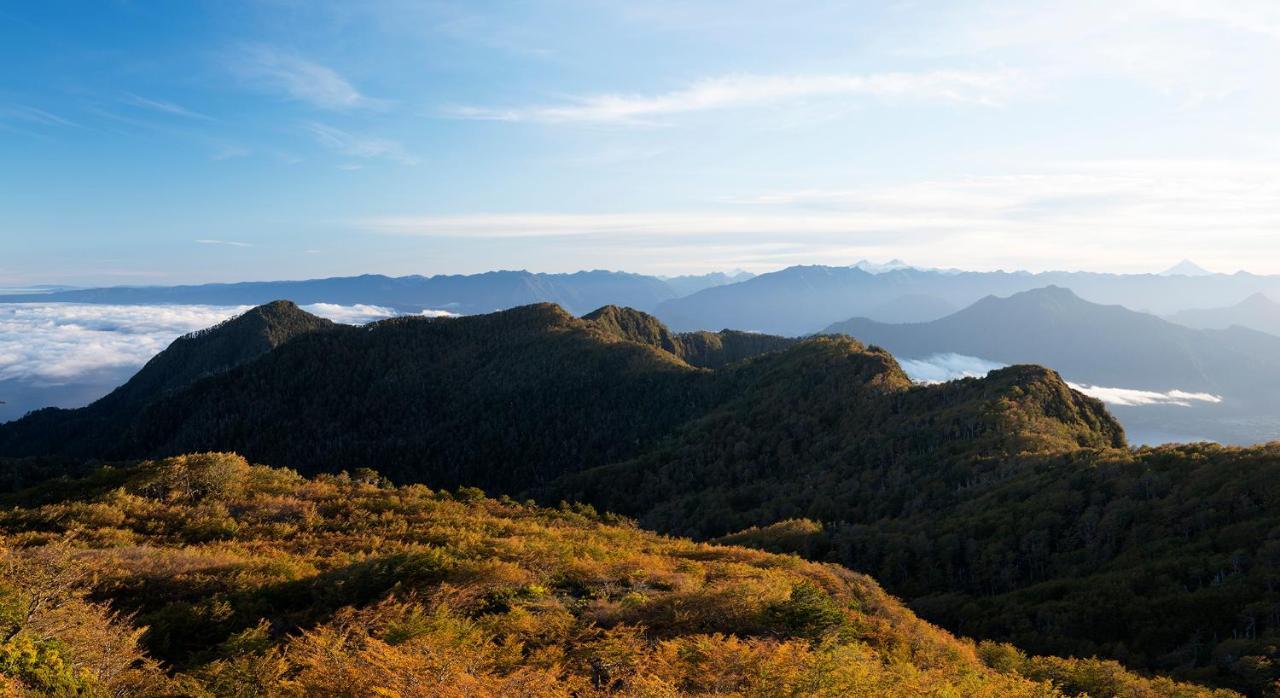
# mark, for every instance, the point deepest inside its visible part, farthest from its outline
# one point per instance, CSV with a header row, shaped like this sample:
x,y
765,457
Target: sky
x,y
161,142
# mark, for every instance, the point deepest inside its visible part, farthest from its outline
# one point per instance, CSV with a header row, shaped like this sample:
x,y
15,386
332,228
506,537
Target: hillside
x,y
1163,558
253,581
1257,312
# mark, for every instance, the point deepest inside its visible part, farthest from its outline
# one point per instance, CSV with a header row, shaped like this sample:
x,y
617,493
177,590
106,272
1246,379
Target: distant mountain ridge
x,y
1116,348
1257,312
795,301
464,294
1099,344
801,300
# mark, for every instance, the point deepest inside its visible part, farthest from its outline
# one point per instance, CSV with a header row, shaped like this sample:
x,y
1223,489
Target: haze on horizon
x,y
157,143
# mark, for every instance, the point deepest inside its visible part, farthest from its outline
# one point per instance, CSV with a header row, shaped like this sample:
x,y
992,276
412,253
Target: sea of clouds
x,y
940,368
57,347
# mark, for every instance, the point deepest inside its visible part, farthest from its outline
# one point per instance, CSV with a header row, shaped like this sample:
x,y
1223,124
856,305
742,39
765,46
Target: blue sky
x,y
160,142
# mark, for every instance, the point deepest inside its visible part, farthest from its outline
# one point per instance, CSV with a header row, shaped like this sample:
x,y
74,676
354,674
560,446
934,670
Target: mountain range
x,y
795,301
1257,312
462,294
1106,345
805,299
1007,507
1232,374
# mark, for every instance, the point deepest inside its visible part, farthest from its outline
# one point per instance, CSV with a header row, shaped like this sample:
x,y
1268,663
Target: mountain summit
x,y
1186,268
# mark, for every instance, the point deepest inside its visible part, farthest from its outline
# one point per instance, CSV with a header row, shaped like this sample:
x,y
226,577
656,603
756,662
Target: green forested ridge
x,y
702,349
504,401
1008,506
202,575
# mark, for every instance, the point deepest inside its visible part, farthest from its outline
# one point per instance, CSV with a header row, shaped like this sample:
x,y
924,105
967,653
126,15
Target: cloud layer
x,y
62,343
1126,397
940,368
947,367
58,343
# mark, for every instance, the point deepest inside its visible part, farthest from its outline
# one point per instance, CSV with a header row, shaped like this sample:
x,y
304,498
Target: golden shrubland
x,y
204,575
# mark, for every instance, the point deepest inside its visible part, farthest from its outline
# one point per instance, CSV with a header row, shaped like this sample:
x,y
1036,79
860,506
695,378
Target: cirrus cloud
x,y
738,91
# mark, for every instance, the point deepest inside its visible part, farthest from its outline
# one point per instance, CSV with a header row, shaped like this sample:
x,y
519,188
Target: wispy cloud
x,y
360,146
738,91
676,224
31,115
298,78
230,152
1114,212
229,243
165,107
1197,50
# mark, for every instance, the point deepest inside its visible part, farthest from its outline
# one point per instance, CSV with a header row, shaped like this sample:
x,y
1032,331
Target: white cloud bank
x,y
940,368
1126,397
58,343
63,343
360,313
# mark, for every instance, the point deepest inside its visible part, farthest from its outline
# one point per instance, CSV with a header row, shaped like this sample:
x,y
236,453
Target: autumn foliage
x,y
203,575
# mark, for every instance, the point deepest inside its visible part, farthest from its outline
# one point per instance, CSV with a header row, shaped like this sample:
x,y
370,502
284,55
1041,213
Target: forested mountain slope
x,y
510,401
703,349
254,581
1164,558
